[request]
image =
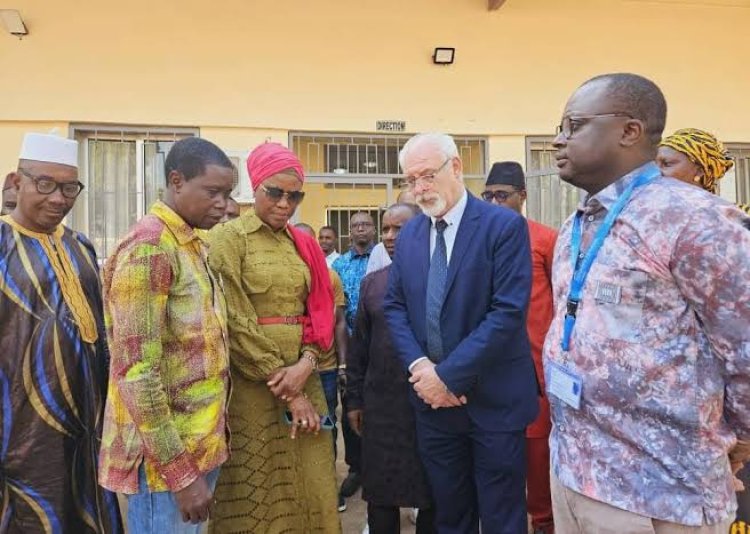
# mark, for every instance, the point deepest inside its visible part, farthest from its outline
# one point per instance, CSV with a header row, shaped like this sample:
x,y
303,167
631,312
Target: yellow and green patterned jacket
x,y
169,377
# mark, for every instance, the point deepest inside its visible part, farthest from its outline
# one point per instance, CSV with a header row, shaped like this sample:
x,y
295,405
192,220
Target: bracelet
x,y
302,394
342,367
312,359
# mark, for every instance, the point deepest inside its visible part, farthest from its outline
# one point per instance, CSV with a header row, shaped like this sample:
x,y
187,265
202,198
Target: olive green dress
x,y
271,484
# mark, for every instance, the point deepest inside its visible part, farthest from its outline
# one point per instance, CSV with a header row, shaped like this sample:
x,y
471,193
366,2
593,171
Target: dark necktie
x,y
435,292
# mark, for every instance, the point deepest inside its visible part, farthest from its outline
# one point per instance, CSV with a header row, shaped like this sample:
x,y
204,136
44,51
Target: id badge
x,y
565,385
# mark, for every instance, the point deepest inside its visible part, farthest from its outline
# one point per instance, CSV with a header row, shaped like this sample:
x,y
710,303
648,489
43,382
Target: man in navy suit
x,y
456,310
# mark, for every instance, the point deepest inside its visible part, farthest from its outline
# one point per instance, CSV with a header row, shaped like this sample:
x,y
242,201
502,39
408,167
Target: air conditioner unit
x,y
243,192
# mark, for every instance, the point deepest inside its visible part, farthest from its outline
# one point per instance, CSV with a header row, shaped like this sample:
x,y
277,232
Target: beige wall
x,y
241,139
11,134
244,70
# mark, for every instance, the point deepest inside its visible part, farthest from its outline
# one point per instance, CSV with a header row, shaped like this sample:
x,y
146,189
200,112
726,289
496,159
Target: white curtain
x,y
113,197
109,203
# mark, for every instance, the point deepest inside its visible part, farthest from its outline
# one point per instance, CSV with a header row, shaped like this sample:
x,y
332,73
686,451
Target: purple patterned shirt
x,y
662,344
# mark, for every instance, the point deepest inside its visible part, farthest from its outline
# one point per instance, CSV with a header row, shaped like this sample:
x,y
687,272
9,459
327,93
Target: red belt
x,y
290,319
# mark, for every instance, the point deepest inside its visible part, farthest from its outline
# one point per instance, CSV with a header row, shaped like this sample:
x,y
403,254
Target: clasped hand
x,y
738,457
287,383
431,389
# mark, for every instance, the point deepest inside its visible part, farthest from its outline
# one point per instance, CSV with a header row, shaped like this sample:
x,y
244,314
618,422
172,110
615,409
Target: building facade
x,y
345,82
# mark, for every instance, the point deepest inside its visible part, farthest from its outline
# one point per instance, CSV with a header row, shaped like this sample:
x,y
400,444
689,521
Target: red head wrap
x,y
269,159
265,161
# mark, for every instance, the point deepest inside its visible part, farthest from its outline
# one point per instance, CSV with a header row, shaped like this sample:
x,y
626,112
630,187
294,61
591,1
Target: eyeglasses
x,y
359,225
572,124
411,181
500,196
46,185
275,194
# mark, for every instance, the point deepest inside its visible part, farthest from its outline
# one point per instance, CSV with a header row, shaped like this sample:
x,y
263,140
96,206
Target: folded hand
x,y
288,382
431,389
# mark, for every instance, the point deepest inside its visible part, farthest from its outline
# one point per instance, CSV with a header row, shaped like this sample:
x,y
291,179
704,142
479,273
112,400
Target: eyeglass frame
x,y
559,130
284,194
505,194
58,185
411,182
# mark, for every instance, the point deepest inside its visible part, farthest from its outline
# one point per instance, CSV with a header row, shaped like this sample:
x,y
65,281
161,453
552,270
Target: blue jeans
x,y
331,390
157,512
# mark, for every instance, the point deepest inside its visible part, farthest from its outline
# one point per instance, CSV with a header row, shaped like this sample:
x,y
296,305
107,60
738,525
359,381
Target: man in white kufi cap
x,y
53,370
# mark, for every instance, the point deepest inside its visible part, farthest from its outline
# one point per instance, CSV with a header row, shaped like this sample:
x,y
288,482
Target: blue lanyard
x,y
582,266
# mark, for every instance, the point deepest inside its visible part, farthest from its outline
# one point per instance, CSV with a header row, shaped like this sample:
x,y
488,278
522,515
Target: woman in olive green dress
x,y
280,477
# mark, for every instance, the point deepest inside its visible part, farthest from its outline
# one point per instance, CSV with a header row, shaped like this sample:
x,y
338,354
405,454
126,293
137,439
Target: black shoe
x,y
351,484
342,503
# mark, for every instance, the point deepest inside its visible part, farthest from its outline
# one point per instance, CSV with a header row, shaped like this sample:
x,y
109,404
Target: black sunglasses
x,y
275,194
500,196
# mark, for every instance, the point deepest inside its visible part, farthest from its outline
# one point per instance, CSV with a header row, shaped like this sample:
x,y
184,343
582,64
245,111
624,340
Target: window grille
x,y
549,200
361,155
123,170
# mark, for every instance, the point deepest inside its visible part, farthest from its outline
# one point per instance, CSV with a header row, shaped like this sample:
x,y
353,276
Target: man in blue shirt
x,y
351,268
352,265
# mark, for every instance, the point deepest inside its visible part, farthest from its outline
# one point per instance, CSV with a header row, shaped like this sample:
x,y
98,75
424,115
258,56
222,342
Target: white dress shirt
x,y
453,218
333,256
379,259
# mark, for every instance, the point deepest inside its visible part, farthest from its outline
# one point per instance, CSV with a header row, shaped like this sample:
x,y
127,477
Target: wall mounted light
x,y
444,56
13,22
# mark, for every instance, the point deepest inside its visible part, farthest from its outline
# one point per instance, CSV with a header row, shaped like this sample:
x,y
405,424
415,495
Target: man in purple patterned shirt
x,y
647,361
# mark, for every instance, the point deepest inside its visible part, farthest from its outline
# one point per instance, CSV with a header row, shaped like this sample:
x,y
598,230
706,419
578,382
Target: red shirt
x,y
539,319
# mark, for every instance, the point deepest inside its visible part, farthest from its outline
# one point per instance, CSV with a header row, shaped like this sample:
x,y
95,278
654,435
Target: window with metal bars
x,y
339,218
123,171
735,186
339,154
549,199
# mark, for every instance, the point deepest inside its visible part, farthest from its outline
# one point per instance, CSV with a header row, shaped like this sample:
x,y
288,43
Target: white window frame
x,y
140,135
735,193
361,139
540,174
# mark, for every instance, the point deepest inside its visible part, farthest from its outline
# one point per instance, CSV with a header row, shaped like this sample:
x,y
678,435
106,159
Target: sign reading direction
x,y
390,126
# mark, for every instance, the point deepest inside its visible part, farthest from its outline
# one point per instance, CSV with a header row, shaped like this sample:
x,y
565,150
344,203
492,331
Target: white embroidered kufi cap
x,y
49,149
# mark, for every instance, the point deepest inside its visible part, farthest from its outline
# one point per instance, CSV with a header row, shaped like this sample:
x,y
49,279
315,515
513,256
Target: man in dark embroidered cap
x,y
506,186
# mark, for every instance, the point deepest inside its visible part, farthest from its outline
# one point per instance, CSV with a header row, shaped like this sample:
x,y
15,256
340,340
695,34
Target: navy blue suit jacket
x,y
483,320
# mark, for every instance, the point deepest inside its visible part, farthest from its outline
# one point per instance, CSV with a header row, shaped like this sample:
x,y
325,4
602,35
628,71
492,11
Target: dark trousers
x,y
387,520
743,497
352,442
475,474
331,391
539,493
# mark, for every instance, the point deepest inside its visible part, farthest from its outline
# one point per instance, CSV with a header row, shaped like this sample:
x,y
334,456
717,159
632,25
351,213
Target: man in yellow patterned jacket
x,y
165,432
